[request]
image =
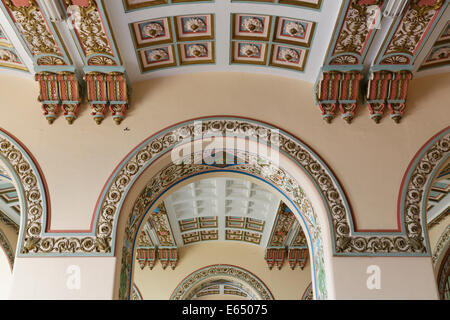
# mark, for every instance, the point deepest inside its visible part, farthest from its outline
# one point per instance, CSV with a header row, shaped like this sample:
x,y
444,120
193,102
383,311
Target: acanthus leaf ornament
x,y
31,24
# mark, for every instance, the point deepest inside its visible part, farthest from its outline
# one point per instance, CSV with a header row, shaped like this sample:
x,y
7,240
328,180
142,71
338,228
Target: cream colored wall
x,y
369,159
285,284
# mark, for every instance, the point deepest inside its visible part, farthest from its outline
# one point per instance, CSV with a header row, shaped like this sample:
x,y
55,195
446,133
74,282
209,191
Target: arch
x,y
242,278
28,180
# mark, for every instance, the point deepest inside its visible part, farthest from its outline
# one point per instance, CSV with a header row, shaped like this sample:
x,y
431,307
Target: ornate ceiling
x,y
222,209
349,48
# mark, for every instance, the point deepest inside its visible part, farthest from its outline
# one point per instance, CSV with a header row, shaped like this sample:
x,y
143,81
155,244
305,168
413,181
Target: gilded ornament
x,y
152,30
252,24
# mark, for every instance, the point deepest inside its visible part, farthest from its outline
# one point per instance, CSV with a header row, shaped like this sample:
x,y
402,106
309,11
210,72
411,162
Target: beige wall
x,y
369,159
286,284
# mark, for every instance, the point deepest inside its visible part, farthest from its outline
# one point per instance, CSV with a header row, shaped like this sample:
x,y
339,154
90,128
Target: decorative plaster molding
x,y
409,241
308,294
136,293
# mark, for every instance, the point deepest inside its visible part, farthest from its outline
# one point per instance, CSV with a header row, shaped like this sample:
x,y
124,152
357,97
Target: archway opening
x,y
224,219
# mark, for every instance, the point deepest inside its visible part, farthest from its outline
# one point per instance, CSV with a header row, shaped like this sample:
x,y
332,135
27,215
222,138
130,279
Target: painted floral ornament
x,y
157,55
197,50
441,53
153,30
7,55
249,50
252,25
195,24
294,29
289,55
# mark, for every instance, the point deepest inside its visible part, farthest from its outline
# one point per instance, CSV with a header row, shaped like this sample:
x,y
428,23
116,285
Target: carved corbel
x,y
398,90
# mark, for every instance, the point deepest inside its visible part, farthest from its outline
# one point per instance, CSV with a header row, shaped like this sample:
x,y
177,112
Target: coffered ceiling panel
x,y
439,54
174,41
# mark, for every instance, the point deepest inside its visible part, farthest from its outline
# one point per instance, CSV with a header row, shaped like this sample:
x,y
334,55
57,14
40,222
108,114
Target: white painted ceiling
x,y
121,21
221,198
